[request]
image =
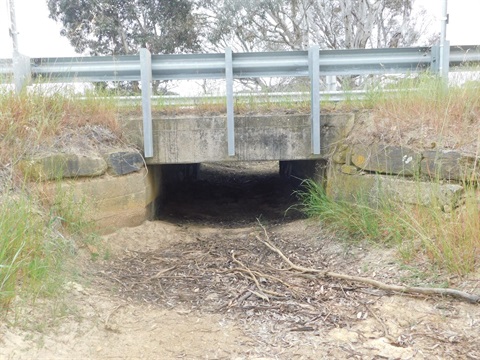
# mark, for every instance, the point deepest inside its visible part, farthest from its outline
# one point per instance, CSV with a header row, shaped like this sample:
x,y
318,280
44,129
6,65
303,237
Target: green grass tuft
x,y
30,252
450,241
358,221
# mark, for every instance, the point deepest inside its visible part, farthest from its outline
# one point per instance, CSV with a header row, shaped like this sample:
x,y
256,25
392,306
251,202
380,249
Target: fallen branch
x,y
475,299
264,292
266,276
159,274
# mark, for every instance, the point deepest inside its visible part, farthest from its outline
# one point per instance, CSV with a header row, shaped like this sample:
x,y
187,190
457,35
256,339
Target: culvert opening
x,y
228,193
209,254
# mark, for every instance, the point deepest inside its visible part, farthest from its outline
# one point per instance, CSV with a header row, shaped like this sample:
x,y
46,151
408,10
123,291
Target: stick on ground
x,y
458,294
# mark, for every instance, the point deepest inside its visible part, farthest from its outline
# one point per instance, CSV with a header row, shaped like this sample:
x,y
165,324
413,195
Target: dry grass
x,y
452,240
429,116
256,103
33,117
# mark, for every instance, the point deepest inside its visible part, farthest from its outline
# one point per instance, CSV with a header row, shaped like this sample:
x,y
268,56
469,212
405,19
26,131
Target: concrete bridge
x,y
275,137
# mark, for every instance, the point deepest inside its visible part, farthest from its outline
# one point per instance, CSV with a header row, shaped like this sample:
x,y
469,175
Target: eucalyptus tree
x,y
265,25
295,24
113,27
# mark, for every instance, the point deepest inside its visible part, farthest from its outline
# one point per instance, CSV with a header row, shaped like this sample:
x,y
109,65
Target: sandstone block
x,y
123,162
349,169
450,165
342,155
386,159
335,128
345,187
443,196
56,166
378,188
113,202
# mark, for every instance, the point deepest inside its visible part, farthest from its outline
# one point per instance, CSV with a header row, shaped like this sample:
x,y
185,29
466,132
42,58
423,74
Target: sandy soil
x,y
199,284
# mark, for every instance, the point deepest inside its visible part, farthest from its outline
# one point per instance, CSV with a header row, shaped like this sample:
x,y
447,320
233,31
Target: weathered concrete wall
x,y
271,137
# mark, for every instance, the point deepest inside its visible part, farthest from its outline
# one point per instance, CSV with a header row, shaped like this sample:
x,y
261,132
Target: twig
x,y
386,333
159,274
244,297
107,325
244,268
261,295
472,298
266,276
304,328
282,255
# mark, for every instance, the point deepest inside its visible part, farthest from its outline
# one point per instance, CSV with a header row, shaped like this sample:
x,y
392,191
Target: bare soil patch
x,y
197,284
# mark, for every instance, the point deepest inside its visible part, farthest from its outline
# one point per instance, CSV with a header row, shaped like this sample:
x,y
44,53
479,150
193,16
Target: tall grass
x,y
450,241
34,240
359,220
29,250
37,114
423,111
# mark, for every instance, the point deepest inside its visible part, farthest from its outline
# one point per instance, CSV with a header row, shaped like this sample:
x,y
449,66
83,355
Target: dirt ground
x,y
199,283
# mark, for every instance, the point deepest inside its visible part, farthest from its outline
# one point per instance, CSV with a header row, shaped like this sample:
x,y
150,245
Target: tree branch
x,y
472,298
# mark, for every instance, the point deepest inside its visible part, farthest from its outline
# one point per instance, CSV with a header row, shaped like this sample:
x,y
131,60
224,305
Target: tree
x,y
256,25
112,27
273,25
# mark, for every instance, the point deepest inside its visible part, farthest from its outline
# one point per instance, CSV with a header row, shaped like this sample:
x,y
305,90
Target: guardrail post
x,y
435,59
21,71
230,115
314,72
440,61
444,60
331,81
146,82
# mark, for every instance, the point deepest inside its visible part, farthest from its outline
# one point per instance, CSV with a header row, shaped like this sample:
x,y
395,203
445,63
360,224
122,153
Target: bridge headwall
x,y
197,139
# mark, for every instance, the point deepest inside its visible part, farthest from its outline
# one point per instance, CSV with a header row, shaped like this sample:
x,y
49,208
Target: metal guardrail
x,y
245,65
247,98
312,63
212,66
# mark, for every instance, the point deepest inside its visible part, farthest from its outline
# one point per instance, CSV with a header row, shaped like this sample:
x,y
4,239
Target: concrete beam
x,y
180,140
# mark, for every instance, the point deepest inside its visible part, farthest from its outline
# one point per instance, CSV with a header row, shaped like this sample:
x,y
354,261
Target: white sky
x,y
39,36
